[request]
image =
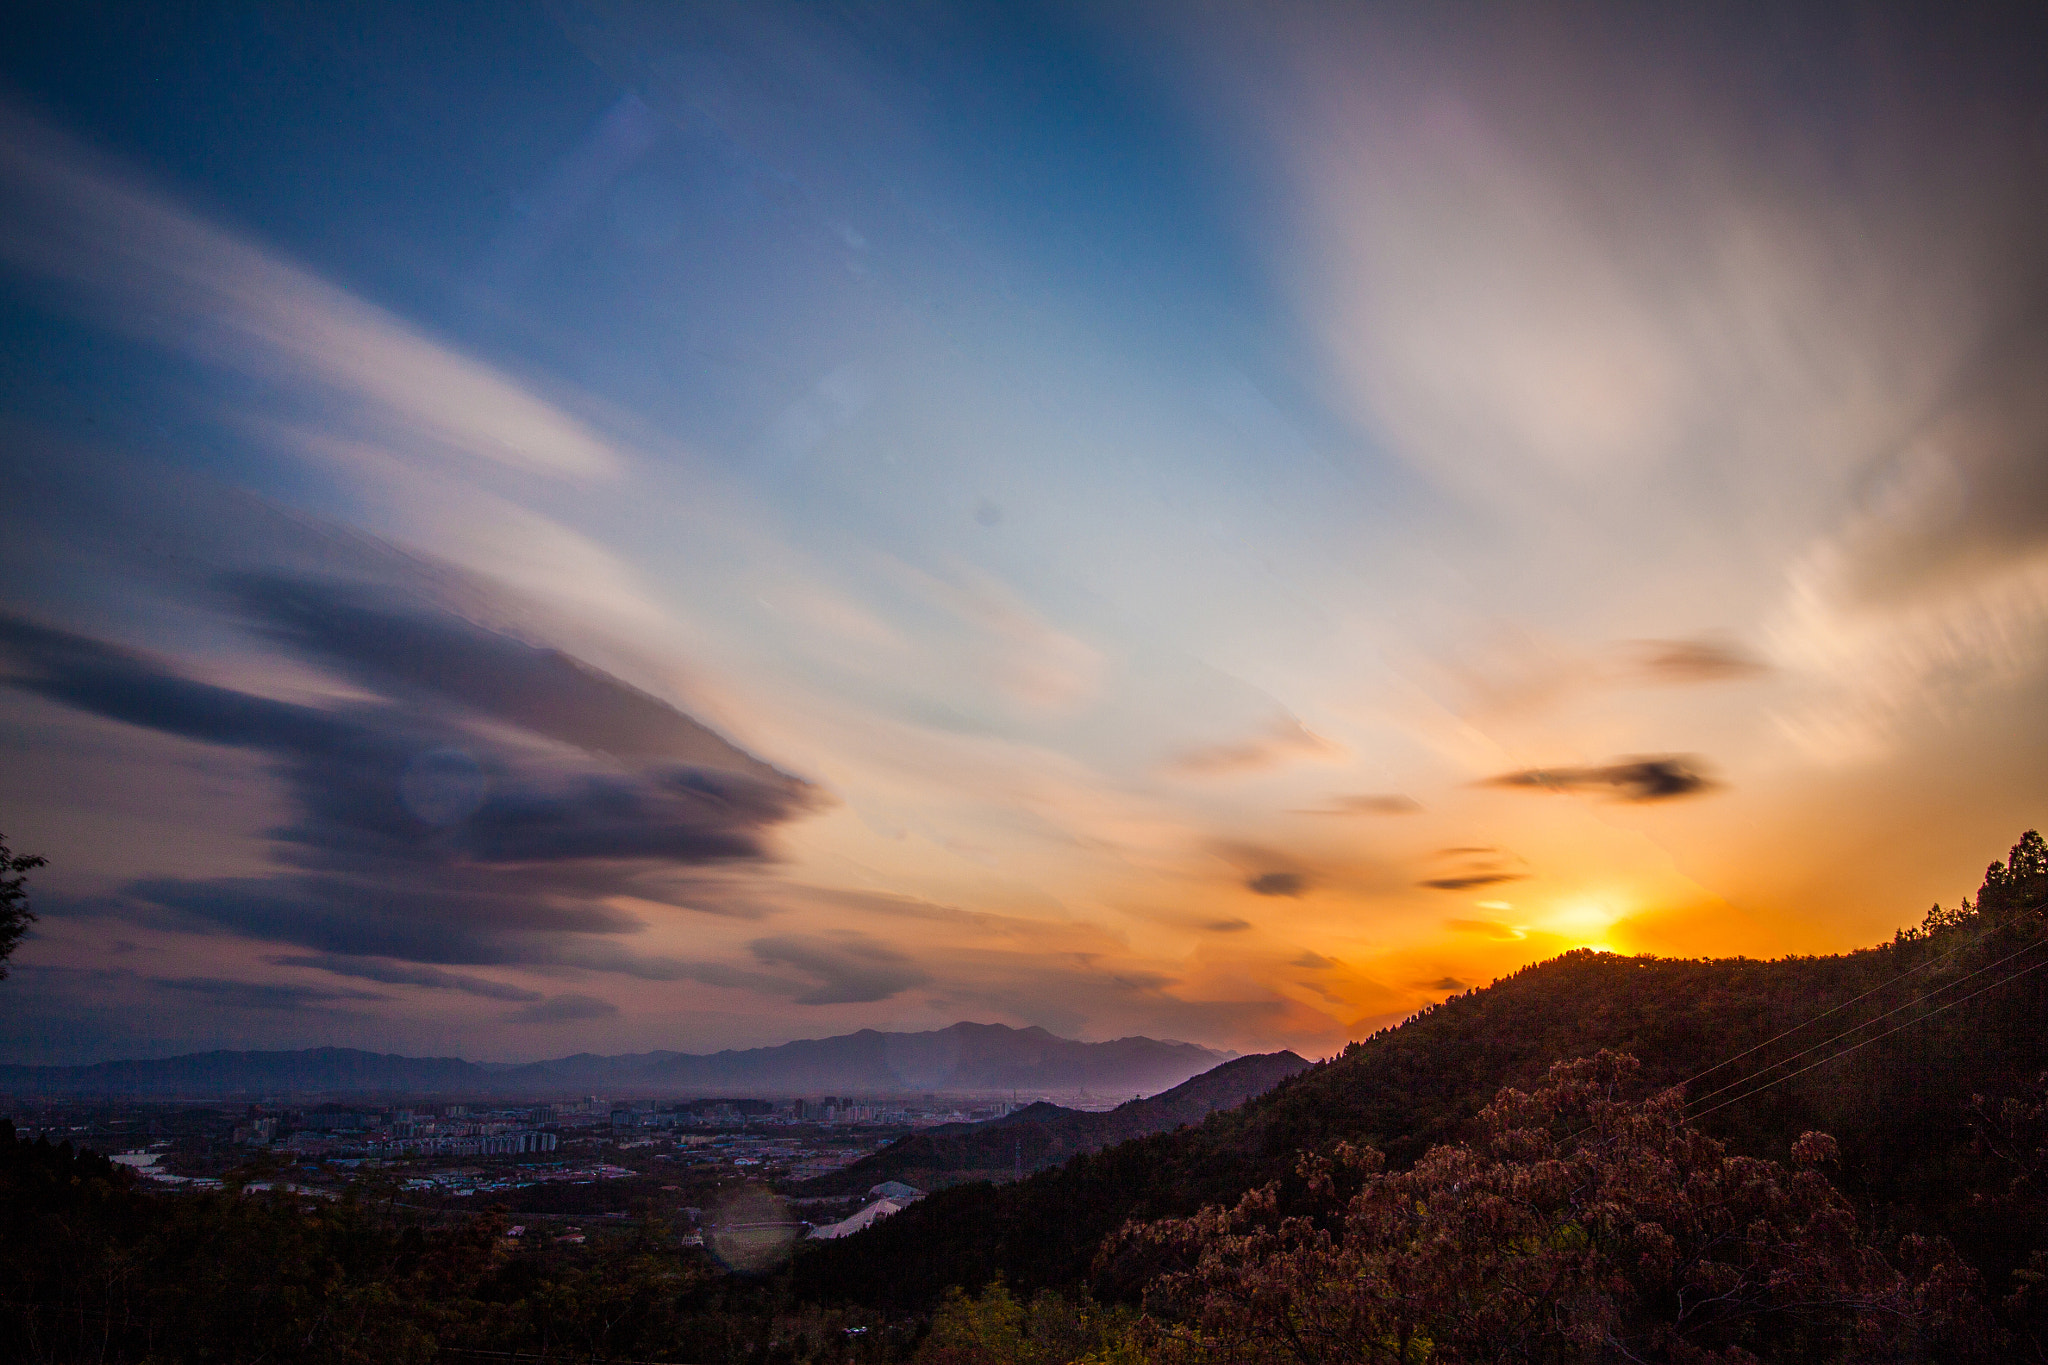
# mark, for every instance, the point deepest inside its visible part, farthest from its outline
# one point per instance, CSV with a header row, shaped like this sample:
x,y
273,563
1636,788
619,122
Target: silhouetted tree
x,y
15,916
2019,886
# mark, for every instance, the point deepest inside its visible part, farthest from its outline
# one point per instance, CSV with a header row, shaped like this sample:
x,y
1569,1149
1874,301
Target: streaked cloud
x,y
1285,741
771,535
848,969
1486,928
407,974
567,1008
379,859
163,276
1369,804
1662,778
1682,662
226,993
1468,867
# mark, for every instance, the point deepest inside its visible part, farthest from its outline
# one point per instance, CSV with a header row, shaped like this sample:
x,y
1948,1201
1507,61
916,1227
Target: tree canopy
x,y
15,914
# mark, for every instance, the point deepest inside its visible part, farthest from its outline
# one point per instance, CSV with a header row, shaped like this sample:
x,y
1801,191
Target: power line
x,y
1829,1042
2014,976
1930,962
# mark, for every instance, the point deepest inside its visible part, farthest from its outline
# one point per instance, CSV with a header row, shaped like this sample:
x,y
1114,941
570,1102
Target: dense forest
x,y
1599,1158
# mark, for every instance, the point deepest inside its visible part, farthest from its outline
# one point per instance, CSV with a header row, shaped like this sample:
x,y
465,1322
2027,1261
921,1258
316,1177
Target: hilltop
x,y
1042,1134
1899,1103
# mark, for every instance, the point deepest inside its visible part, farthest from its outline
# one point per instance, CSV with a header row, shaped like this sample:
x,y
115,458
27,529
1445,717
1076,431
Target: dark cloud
x,y
404,649
1227,926
1389,803
1630,779
1679,662
848,970
125,686
1312,960
503,852
1448,983
1278,884
564,1009
402,974
461,915
260,995
1466,881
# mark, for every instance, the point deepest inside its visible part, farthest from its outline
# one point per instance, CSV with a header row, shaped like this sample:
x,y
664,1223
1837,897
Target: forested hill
x,y
1041,1135
1899,1103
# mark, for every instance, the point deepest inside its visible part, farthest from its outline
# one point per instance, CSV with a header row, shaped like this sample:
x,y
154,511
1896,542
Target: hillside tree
x,y
15,915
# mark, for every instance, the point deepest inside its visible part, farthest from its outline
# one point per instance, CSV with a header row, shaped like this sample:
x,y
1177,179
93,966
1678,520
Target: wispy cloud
x,y
1286,740
1365,804
1486,928
848,969
161,275
1683,662
262,995
407,974
568,1008
1468,867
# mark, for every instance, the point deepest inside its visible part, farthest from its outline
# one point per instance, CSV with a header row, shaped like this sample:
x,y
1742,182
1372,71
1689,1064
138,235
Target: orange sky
x,y
1488,485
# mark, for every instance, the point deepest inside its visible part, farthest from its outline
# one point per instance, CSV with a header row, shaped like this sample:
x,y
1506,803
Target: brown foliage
x,y
1582,1226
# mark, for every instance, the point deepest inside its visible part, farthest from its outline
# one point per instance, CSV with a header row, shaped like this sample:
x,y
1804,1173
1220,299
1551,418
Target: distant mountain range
x,y
1886,1049
963,1059
1041,1134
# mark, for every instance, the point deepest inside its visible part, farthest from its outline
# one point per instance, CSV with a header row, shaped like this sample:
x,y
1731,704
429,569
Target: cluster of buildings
x,y
462,1182
452,1130
828,1109
461,1130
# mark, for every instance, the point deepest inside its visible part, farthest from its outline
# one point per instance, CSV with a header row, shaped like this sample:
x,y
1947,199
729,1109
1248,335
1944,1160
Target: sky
x,y
617,525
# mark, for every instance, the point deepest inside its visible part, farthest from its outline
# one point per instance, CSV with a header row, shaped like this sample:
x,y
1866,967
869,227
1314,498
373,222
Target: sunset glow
x,y
642,526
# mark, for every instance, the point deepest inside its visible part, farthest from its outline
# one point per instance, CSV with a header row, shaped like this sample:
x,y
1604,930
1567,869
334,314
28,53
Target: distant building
x,y
897,1190
499,1144
866,1218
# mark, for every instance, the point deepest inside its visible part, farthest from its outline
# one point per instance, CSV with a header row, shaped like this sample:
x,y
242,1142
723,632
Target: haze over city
x,y
618,526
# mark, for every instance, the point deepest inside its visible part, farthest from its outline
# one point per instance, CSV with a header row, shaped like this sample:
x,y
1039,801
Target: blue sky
x,y
624,525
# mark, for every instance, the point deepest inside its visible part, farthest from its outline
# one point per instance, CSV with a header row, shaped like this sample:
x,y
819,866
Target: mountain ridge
x,y
1041,1134
964,1057
1900,1108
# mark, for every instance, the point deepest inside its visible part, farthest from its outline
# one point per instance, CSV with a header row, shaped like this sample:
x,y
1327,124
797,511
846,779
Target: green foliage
x,y
15,915
996,1328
